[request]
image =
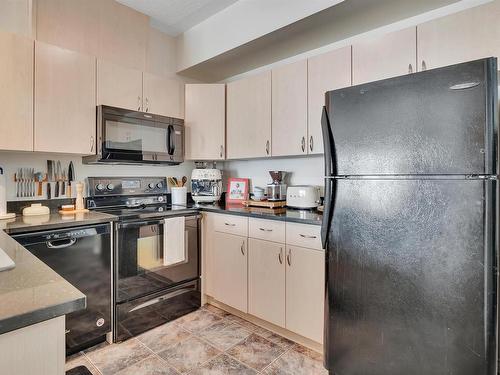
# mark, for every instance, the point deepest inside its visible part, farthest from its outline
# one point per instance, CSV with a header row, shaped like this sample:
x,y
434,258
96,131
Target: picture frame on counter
x,y
237,190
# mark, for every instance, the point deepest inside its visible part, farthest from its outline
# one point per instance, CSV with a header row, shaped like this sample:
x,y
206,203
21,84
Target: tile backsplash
x,y
306,170
11,161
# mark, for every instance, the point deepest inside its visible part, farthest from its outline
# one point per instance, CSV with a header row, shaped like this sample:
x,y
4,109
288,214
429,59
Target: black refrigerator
x,y
410,224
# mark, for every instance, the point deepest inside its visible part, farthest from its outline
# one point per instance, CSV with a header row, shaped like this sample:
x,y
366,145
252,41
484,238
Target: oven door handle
x,y
164,297
138,223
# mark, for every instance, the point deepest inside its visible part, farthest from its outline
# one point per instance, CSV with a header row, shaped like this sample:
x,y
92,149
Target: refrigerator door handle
x,y
330,169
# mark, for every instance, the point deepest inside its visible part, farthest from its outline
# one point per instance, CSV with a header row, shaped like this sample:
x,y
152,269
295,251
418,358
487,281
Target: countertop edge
x,y
38,316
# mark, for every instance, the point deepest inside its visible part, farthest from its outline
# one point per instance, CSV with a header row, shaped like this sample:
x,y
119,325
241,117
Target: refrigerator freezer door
x,y
410,278
439,121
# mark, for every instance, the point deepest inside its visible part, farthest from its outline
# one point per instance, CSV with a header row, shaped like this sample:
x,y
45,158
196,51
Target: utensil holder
x,y
179,195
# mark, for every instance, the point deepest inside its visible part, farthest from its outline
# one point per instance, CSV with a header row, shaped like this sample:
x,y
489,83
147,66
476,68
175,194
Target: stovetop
x,y
142,212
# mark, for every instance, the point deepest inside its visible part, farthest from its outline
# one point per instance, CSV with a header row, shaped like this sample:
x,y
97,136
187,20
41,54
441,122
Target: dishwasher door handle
x,y
71,242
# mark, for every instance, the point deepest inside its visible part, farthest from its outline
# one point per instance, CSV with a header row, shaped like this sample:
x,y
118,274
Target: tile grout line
x,y
159,357
276,359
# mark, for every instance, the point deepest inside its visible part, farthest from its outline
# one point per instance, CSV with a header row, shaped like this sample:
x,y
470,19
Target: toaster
x,y
304,196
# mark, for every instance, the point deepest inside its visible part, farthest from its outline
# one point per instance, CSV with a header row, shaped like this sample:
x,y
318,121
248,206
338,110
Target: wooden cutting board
x,y
266,204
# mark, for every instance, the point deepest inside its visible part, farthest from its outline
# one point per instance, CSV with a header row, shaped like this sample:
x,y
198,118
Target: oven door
x,y
140,249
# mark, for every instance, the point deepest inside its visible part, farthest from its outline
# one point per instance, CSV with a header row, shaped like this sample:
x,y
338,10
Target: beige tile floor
x,y
208,341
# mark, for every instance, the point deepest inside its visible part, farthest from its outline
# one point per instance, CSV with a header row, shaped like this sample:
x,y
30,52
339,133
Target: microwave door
x,y
123,138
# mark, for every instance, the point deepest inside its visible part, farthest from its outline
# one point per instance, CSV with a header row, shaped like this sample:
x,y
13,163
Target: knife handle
x,y
63,187
69,190
49,190
40,186
56,192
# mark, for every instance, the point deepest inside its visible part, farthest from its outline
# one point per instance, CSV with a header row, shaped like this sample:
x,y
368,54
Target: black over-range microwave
x,y
131,137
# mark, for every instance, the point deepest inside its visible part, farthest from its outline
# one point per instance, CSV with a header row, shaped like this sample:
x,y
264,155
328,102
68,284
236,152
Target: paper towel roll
x,y
3,193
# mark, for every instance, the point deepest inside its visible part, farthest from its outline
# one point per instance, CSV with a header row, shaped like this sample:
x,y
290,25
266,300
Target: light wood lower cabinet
x,y
65,100
283,284
229,261
305,281
118,86
16,95
266,280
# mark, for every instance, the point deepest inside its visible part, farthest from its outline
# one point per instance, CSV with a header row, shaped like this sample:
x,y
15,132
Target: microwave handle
x,y
170,140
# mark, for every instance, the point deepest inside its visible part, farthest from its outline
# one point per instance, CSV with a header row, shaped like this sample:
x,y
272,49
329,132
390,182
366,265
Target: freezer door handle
x,y
330,169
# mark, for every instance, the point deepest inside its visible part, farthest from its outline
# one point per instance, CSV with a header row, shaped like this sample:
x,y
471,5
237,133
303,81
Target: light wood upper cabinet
x,y
65,101
16,95
205,121
305,286
289,109
249,117
163,96
266,280
330,71
118,86
387,56
230,270
468,35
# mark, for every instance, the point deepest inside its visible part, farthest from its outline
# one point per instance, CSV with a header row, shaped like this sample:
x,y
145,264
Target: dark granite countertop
x,y
32,292
288,214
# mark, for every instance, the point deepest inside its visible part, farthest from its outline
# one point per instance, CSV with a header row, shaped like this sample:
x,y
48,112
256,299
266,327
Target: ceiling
x,y
176,16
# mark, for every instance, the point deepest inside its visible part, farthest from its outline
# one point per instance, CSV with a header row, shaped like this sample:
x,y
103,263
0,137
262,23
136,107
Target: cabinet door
x,y
249,117
65,102
16,96
118,86
468,35
163,96
305,292
230,270
205,121
387,56
326,72
289,109
266,280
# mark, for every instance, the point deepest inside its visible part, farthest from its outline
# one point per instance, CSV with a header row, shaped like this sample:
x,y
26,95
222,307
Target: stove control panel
x,y
123,186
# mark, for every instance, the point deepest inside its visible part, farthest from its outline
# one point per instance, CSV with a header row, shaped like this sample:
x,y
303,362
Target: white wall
x,y
241,23
10,161
307,170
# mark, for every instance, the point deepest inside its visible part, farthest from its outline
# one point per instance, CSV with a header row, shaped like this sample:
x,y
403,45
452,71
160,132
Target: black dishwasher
x,y
82,255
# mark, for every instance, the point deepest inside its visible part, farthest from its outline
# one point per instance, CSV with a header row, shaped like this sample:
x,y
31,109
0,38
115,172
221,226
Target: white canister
x,y
179,195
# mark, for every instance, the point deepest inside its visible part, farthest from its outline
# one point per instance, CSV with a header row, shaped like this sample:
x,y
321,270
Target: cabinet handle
x,y
139,104
242,248
267,147
306,236
303,144
311,144
265,230
280,256
230,224
221,151
289,257
92,143
424,65
410,68
147,105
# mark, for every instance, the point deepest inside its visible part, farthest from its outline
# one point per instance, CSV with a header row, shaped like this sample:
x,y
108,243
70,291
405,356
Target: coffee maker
x,y
276,191
206,185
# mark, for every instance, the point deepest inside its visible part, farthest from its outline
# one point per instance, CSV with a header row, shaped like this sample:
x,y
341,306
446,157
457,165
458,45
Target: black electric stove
x,y
147,290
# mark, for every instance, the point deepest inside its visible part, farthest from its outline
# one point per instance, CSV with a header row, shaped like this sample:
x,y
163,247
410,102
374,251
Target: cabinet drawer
x,y
304,235
270,230
231,224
